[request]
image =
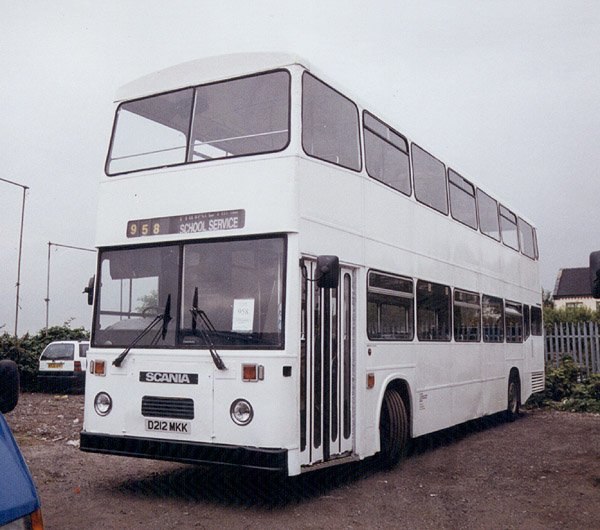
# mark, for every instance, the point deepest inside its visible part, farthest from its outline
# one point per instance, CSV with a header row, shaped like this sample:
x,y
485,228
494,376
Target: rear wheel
x,y
514,398
393,429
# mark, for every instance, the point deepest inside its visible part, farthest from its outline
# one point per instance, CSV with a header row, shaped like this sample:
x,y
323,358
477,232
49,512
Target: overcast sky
x,y
507,92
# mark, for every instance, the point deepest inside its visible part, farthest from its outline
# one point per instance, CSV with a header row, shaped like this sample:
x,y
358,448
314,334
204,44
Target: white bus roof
x,y
205,70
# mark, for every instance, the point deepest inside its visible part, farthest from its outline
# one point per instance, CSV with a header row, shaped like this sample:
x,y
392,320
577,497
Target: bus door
x,y
326,382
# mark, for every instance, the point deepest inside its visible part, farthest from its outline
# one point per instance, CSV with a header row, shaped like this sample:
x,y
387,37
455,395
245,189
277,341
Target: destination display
x,y
187,224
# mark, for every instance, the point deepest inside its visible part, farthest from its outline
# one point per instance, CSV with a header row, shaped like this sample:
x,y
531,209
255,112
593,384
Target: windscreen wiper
x,y
165,318
205,326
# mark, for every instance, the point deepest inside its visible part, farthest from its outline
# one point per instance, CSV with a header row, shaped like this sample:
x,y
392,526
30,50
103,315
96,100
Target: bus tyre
x,y
9,385
514,398
393,429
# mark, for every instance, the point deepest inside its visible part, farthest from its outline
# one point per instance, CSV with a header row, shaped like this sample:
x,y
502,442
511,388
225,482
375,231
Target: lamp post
x,y
47,299
25,188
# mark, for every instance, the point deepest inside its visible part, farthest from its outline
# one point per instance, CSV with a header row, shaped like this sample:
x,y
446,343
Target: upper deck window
x,y
329,124
527,237
508,227
430,180
386,154
151,132
462,199
488,215
241,117
244,116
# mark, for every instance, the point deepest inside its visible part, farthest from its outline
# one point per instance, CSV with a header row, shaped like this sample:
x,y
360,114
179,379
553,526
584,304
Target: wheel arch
x,y
515,374
402,386
514,395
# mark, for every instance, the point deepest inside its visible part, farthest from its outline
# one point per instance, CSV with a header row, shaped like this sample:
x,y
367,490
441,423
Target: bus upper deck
x,y
244,129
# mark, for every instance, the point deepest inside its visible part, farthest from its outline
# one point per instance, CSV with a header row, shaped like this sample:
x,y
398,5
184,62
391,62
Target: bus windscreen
x,y
237,284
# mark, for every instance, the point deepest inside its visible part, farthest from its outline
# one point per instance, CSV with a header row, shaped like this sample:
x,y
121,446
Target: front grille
x,y
537,381
167,407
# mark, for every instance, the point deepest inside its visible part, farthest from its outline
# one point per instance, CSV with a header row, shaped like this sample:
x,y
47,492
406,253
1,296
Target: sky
x,y
507,92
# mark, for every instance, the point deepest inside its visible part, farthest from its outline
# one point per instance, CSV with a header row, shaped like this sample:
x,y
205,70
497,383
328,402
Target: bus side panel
x,y
433,399
468,389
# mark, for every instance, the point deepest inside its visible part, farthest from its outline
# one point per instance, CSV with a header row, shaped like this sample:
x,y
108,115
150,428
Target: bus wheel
x,y
393,429
514,398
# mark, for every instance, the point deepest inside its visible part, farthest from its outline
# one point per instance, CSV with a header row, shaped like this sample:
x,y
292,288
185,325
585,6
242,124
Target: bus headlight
x,y
241,412
102,403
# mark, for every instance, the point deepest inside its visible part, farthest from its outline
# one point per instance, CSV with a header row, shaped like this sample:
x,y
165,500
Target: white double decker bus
x,y
286,282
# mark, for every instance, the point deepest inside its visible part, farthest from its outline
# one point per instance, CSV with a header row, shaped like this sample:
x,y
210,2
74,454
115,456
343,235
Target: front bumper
x,y
186,452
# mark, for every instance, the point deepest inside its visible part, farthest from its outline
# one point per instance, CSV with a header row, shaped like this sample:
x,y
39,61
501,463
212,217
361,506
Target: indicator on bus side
x,y
253,372
97,367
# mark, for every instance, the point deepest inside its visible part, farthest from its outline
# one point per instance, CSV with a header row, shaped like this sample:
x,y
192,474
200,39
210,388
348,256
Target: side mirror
x,y
90,290
595,273
327,272
9,386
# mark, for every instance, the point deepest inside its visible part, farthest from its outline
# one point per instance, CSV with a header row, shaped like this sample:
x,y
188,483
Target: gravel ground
x,y
542,471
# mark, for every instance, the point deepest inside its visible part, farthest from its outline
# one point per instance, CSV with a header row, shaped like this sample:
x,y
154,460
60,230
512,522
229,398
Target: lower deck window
x,y
390,314
536,320
467,317
433,311
514,322
493,319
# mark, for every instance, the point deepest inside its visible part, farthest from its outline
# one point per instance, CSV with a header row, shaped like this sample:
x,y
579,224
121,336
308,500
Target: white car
x,y
63,364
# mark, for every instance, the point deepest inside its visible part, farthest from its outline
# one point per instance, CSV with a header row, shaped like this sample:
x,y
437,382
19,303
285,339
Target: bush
x,y
569,388
561,381
569,315
26,351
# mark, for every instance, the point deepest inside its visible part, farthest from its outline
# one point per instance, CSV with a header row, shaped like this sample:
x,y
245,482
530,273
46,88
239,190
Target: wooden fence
x,y
581,341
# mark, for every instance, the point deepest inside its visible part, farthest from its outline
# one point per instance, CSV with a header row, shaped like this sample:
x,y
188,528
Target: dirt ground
x,y
540,472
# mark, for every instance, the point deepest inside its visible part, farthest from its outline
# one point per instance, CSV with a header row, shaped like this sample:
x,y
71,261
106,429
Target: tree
x,y
26,350
547,300
147,301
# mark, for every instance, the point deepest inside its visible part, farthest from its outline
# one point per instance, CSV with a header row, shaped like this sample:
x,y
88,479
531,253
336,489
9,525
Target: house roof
x,y
573,283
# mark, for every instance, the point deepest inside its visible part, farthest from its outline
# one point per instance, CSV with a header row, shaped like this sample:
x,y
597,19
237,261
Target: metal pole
x,y
19,261
25,188
47,299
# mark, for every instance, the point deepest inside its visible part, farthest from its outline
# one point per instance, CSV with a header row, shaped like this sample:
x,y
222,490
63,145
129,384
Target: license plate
x,y
55,365
182,427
